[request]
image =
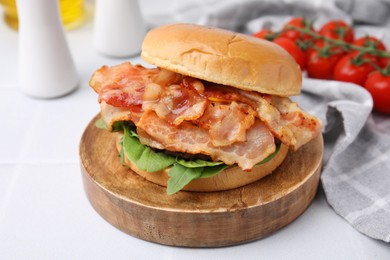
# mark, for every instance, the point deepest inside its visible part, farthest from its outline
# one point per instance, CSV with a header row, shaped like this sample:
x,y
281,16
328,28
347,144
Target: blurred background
x,y
368,17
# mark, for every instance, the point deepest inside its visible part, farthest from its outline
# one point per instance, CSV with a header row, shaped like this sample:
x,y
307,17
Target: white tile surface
x,y
8,178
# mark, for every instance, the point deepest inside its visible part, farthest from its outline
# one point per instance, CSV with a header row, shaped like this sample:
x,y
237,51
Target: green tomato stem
x,y
340,43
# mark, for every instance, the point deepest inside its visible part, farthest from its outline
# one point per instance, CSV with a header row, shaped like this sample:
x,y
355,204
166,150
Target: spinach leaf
x,y
197,163
183,172
142,156
214,170
180,176
122,153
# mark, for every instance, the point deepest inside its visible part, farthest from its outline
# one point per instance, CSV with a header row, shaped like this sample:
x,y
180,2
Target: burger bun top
x,y
223,57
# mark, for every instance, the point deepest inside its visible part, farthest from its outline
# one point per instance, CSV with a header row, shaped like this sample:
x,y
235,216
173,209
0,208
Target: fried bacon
x,y
286,120
184,114
174,103
227,122
189,138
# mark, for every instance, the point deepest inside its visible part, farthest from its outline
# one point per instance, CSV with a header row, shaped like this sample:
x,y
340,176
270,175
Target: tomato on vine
x,y
370,43
321,60
374,43
332,52
265,34
295,35
338,30
384,62
349,69
378,84
292,49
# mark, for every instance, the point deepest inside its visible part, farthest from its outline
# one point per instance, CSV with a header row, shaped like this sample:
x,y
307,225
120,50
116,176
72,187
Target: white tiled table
x,y
44,213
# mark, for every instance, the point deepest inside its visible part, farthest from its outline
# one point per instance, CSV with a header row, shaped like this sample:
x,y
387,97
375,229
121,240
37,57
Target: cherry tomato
x,y
346,71
383,62
335,29
262,34
292,49
321,61
369,41
379,87
294,34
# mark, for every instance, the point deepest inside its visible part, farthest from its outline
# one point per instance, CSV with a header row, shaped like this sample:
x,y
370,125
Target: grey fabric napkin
x,y
356,173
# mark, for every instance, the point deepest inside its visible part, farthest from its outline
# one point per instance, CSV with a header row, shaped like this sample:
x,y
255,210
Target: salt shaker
x,y
46,68
119,28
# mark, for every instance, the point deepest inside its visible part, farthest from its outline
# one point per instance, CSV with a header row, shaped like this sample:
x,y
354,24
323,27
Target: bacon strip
x,y
304,127
174,103
286,120
189,138
122,85
227,123
124,76
111,114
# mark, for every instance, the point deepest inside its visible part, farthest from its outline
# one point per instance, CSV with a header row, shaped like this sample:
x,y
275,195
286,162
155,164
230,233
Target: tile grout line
x,y
9,193
27,140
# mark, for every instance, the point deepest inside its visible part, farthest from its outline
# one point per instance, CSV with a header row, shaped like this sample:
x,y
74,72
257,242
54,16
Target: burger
x,y
213,114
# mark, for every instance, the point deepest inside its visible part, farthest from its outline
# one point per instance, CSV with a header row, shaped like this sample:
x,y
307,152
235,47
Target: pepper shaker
x,y
119,27
46,68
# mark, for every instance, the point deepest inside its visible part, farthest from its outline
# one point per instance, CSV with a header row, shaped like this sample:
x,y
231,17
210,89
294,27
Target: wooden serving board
x,y
196,219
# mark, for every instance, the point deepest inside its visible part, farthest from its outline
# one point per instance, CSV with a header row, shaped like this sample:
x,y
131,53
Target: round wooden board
x,y
196,219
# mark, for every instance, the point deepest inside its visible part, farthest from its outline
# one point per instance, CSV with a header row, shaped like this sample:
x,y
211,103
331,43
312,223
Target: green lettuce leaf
x,y
213,170
180,176
122,153
183,172
142,156
196,163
